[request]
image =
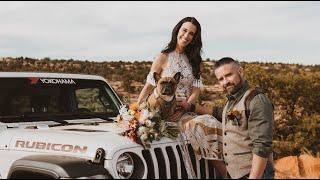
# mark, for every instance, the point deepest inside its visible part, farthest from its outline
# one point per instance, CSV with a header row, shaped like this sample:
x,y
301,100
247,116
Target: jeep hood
x,y
75,140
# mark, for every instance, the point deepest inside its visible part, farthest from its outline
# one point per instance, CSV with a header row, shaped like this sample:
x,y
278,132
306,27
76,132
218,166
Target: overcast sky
x,y
286,32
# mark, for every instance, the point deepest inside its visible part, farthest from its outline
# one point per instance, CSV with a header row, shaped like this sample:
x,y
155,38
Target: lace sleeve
x,y
197,83
150,79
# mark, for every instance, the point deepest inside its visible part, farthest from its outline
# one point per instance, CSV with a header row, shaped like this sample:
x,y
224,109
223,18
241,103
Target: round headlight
x,y
125,166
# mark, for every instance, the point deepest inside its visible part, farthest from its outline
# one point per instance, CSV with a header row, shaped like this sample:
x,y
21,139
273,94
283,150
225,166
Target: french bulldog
x,y
163,97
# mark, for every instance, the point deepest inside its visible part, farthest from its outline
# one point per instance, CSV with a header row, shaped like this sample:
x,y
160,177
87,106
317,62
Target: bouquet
x,y
143,127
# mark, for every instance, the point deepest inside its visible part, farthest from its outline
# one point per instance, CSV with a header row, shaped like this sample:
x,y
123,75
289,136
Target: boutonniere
x,y
234,115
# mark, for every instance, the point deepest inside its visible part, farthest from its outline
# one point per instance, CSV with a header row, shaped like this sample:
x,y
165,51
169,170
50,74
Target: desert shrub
x,y
293,89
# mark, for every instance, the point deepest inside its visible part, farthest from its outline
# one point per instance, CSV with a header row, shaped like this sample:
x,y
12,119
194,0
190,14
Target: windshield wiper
x,y
85,115
101,115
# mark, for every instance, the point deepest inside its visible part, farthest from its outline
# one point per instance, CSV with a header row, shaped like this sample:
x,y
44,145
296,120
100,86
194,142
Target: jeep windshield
x,y
55,99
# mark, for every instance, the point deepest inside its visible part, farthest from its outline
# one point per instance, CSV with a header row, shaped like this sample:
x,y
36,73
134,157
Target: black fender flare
x,y
55,166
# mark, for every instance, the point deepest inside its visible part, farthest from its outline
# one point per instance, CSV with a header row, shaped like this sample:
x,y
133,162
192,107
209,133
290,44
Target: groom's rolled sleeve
x,y
260,125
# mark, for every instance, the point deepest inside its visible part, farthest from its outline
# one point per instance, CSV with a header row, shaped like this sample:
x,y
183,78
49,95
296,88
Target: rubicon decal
x,y
51,146
57,81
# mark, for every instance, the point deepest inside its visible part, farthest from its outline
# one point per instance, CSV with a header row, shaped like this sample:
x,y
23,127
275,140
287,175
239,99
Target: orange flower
x,y
134,106
137,115
234,115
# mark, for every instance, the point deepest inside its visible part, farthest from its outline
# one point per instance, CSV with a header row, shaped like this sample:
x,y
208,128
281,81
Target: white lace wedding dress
x,y
204,132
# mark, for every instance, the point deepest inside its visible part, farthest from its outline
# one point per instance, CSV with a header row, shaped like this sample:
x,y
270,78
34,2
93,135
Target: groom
x,y
247,141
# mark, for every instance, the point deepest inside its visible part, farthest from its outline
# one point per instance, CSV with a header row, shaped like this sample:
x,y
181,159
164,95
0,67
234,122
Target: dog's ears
x,y
156,76
177,76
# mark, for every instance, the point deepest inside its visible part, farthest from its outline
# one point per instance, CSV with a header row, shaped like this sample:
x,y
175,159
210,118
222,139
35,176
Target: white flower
x,y
144,114
142,130
144,137
123,109
124,113
150,123
127,117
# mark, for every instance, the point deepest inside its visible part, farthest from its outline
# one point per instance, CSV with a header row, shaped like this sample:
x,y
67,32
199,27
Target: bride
x,y
182,54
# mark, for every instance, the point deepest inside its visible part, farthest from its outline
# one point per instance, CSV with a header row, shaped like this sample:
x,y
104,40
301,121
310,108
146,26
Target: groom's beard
x,y
232,88
229,87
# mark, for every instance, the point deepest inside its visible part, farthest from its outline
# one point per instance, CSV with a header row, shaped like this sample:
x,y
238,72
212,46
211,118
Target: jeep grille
x,y
166,162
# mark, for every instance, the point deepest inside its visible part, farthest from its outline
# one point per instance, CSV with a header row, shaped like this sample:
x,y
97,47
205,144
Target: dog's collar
x,y
157,95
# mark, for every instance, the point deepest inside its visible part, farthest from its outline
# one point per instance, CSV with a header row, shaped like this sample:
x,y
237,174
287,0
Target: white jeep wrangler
x,y
62,126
